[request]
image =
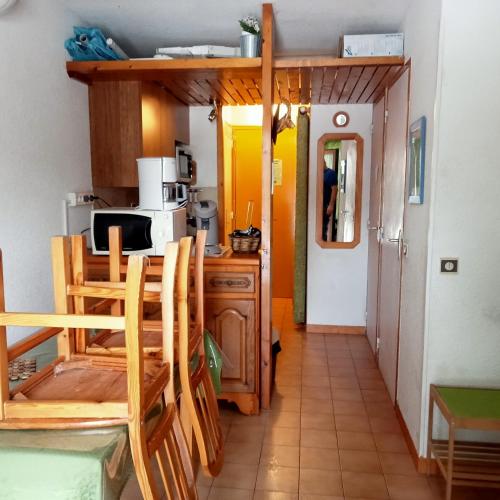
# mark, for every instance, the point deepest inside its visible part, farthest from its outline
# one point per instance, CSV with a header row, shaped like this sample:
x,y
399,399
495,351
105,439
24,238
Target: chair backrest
x,y
197,388
23,412
166,443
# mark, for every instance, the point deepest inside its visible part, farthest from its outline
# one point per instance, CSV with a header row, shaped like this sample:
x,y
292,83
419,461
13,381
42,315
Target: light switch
x,y
449,265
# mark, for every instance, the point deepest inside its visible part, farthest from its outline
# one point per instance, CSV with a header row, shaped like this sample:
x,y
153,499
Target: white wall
x,y
44,148
421,29
463,319
203,137
336,278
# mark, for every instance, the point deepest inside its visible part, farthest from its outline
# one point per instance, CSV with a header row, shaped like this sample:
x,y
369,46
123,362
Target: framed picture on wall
x,y
416,161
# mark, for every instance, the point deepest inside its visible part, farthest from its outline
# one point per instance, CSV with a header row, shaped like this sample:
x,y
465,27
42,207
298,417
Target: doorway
x,y
243,194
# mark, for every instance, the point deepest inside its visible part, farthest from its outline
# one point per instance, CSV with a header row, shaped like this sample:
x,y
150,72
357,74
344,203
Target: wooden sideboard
x,y
232,315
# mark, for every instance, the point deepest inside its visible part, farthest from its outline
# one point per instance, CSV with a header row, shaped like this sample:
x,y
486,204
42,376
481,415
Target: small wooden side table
x,y
466,463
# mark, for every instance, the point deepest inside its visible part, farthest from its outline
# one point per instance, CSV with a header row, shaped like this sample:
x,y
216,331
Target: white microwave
x,y
143,231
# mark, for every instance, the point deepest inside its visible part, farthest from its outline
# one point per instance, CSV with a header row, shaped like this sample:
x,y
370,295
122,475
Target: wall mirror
x,y
339,190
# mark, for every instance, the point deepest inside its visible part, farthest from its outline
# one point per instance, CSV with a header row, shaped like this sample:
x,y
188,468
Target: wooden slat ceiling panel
x,y
341,77
313,80
305,85
350,85
317,82
294,84
363,82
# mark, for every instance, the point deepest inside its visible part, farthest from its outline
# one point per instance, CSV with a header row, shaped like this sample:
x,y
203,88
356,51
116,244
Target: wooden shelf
x,y
238,81
473,463
333,80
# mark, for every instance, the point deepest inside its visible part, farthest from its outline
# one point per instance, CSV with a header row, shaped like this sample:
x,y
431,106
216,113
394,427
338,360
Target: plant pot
x,y
250,45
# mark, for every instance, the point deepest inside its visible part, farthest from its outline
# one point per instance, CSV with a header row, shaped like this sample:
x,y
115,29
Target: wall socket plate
x,y
79,199
449,265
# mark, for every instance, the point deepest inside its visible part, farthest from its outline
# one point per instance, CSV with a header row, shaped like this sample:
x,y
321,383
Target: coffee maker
x,y
206,218
159,188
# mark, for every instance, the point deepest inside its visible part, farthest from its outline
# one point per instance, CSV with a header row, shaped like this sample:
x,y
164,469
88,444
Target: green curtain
x,y
300,281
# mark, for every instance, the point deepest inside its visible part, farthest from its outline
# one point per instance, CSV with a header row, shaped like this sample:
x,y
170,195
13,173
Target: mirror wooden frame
x,y
359,188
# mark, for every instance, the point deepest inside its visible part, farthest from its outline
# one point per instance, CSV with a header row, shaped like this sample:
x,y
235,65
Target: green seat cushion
x,y
471,403
64,464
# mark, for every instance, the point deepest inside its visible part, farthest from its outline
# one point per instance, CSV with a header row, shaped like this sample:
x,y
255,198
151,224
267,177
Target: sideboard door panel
x,y
232,322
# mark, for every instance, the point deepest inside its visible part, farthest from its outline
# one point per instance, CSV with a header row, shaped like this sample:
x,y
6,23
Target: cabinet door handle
x,y
230,283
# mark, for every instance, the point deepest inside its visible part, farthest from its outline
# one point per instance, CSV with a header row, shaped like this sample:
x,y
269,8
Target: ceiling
x,y
301,26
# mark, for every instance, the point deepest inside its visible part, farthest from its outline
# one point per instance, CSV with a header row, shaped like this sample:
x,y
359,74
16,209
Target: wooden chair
x,y
164,439
166,442
113,342
77,391
197,388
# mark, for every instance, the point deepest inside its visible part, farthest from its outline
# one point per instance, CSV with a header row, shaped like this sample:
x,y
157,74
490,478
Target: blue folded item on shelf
x,y
89,44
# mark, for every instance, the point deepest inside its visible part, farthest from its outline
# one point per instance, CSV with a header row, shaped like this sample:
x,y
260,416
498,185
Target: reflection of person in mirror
x,y
330,183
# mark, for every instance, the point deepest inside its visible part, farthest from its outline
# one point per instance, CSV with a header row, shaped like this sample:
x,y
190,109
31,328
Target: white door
x,y
393,188
374,222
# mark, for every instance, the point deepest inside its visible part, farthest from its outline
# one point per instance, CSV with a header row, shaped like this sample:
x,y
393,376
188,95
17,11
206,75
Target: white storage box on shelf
x,y
388,44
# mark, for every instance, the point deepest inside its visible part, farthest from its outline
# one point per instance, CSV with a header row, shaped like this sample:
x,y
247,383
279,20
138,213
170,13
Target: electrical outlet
x,y
79,199
449,265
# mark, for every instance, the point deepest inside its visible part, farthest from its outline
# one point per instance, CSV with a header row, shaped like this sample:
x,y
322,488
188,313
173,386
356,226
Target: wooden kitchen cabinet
x,y
232,317
129,120
232,323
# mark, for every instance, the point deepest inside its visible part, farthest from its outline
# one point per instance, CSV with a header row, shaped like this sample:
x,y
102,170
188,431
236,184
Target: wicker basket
x,y
244,244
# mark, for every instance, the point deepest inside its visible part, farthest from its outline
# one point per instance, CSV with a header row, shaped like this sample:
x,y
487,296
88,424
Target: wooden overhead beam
x,y
266,224
328,61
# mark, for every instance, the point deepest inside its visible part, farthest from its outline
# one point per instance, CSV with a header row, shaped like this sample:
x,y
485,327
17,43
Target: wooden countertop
x,y
229,259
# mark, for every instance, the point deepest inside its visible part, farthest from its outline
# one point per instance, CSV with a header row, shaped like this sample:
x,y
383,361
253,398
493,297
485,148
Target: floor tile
x,y
245,433
320,482
390,442
349,408
237,476
341,371
317,421
290,391
316,405
230,494
343,363
319,458
317,393
355,441
278,455
364,485
285,404
274,495
311,438
333,354
242,453
282,436
368,383
284,419
273,478
346,395
308,496
344,383
390,425
355,423
375,395
313,381
201,478
408,487
371,373
359,461
382,410
398,463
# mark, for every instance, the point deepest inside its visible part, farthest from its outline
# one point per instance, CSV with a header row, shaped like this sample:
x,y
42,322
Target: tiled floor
x,y
331,432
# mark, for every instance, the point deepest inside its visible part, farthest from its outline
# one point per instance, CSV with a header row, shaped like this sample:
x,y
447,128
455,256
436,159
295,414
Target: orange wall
x,y
246,182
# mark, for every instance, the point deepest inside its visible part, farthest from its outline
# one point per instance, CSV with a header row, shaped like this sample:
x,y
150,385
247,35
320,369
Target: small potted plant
x,y
250,37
